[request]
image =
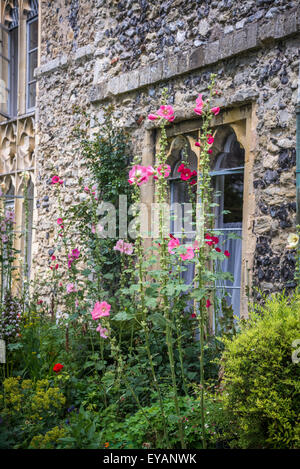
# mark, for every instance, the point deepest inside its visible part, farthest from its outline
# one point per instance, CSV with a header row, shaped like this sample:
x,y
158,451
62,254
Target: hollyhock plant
x,y
188,255
210,139
138,175
103,331
167,112
166,169
55,180
100,310
186,174
199,105
172,244
215,110
153,117
71,288
75,253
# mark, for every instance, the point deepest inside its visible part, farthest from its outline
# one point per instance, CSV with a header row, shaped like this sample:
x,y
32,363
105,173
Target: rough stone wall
x,y
127,51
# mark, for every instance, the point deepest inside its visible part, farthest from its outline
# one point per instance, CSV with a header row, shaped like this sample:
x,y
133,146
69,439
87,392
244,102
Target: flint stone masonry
x,y
252,36
125,52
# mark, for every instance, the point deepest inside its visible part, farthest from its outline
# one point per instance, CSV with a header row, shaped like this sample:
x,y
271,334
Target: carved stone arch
x,y
23,178
8,145
221,135
30,8
10,13
26,144
177,145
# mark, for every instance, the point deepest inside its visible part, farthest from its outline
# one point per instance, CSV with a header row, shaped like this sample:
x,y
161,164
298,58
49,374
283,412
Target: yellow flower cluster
x,y
49,440
33,399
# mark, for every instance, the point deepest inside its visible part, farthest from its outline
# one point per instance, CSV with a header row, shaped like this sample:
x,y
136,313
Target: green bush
x,y
261,381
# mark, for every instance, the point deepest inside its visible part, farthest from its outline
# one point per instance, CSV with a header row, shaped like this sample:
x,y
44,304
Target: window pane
x,y
233,197
13,72
32,64
31,95
33,35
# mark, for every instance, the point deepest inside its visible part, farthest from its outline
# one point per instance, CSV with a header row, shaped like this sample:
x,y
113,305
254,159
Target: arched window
x,y
227,176
9,58
32,54
228,182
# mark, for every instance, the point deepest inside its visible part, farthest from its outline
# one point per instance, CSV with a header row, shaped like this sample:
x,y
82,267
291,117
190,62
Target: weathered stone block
x,y
239,41
212,53
226,46
133,80
196,59
156,71
252,35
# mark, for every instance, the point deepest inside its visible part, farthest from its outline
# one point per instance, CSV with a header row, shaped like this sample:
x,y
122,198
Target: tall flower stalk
x,y
203,207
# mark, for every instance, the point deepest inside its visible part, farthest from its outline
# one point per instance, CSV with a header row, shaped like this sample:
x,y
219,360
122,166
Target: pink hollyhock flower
x,y
71,288
119,246
163,168
128,249
172,244
75,253
193,315
215,110
227,254
196,245
167,112
56,266
60,221
86,189
103,331
199,100
61,181
186,174
138,175
218,249
215,239
210,139
209,151
193,182
150,170
100,310
53,258
55,180
181,168
199,105
188,255
9,215
197,144
152,117
208,303
198,110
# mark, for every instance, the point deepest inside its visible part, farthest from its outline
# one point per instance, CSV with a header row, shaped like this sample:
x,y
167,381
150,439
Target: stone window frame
x,y
26,8
242,120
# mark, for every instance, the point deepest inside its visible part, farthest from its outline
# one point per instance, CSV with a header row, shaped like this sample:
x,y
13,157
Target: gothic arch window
x,y
227,176
32,54
9,58
228,182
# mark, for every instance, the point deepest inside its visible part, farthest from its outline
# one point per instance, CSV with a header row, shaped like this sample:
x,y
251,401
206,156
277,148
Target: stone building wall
x,y
125,52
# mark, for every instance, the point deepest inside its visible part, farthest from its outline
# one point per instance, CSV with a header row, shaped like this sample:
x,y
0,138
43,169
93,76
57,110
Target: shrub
x,y
261,382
